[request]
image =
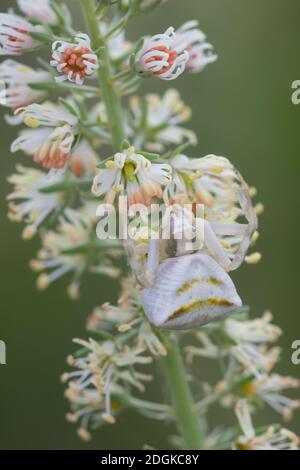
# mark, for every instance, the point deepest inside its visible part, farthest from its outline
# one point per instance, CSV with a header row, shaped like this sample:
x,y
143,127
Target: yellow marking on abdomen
x,y
209,302
189,285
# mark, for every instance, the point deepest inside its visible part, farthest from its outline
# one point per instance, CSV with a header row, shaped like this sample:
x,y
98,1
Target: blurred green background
x,y
242,110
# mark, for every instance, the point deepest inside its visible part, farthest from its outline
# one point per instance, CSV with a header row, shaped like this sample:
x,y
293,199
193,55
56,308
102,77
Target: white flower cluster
x,y
156,122
167,55
205,219
109,375
272,438
71,248
98,394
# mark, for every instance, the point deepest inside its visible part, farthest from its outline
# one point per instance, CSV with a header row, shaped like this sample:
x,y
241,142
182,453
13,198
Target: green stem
x,y
184,406
53,86
83,183
174,367
110,96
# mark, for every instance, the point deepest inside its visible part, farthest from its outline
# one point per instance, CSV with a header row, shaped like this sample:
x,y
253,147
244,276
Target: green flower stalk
x,y
102,156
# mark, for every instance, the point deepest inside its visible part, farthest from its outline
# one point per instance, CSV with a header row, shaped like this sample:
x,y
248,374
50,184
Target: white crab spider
x,y
189,291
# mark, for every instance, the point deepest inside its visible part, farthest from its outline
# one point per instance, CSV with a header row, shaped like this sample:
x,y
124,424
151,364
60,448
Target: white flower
x,y
83,160
119,47
117,44
244,342
46,114
158,57
51,148
105,371
125,313
35,206
74,61
40,10
269,389
161,120
188,37
132,174
208,348
274,438
219,438
16,78
259,330
148,338
250,338
88,407
107,316
68,249
230,219
51,135
15,34
254,358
